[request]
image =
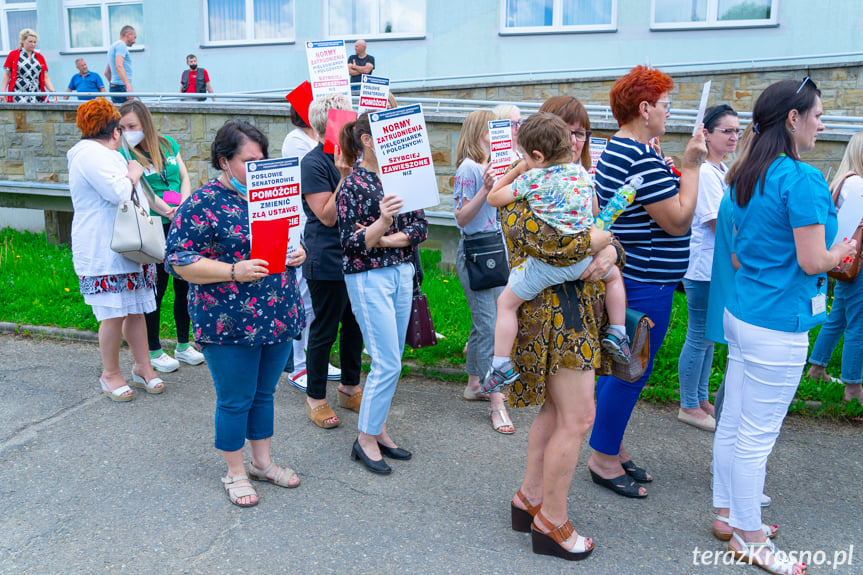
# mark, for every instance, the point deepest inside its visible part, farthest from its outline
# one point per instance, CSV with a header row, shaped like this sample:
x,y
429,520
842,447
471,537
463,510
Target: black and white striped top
x,y
652,255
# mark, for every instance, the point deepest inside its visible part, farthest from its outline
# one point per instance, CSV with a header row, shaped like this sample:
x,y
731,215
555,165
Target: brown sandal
x,y
238,487
522,518
282,477
320,414
351,402
551,543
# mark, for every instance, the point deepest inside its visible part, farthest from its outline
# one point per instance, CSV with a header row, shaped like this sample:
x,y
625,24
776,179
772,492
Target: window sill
x,y
378,37
541,30
244,44
737,25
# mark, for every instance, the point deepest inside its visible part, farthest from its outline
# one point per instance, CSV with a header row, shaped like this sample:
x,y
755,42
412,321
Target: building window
x,y
247,21
376,18
544,16
96,24
15,15
680,14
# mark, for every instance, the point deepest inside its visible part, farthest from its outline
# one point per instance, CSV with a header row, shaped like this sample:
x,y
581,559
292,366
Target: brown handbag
x,y
421,331
850,274
638,329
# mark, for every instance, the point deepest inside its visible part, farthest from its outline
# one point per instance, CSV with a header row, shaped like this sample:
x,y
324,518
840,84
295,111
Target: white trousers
x,y
762,375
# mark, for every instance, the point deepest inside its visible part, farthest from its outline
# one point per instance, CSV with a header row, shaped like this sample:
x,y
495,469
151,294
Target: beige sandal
x,y
320,414
238,487
351,402
505,421
282,477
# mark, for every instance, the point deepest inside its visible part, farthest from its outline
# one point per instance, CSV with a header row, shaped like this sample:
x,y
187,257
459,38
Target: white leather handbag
x,y
137,235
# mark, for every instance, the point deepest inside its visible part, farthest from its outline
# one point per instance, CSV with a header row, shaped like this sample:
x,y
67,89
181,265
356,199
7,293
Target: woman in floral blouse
x,y
379,246
244,318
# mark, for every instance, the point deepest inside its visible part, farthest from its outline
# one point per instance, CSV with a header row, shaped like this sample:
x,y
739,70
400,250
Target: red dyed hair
x,y
642,84
95,115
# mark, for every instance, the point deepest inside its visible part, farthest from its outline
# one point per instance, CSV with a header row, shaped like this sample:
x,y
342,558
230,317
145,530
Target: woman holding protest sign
x,y
167,177
379,245
479,225
244,318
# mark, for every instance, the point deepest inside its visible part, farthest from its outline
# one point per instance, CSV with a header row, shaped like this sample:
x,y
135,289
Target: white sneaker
x,y
190,355
333,373
165,363
299,380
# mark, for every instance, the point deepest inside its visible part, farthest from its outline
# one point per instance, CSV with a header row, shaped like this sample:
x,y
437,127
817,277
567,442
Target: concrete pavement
x,y
88,485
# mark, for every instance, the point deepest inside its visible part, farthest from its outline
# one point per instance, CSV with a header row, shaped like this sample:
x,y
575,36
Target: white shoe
x,y
299,380
165,363
766,500
190,355
333,373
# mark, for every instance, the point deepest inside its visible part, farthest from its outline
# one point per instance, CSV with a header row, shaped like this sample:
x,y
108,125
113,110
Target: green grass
x,y
38,286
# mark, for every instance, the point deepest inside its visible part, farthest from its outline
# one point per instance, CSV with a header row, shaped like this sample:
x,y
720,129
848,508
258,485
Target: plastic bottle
x,y
624,196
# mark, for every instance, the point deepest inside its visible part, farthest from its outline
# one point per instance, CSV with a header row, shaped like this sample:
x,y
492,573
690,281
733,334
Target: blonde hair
x,y
155,142
469,145
319,108
26,33
505,111
852,161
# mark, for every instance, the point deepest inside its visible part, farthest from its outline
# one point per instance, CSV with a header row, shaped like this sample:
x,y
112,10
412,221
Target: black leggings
x,y
181,307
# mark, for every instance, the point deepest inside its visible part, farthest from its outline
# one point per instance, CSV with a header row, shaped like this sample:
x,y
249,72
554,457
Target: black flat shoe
x,y
622,485
394,452
636,472
379,466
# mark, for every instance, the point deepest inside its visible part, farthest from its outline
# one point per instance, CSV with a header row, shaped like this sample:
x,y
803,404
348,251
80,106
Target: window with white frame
x,y
539,16
96,24
677,14
376,18
242,21
15,15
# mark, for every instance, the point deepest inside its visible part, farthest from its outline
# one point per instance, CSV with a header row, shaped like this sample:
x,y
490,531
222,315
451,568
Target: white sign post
x,y
404,156
374,93
705,93
328,68
274,209
500,136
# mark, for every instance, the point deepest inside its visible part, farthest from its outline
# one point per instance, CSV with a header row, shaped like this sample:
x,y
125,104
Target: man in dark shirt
x,y
359,64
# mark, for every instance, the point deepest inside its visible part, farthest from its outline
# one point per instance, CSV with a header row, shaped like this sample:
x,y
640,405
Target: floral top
x,y
214,223
358,202
560,195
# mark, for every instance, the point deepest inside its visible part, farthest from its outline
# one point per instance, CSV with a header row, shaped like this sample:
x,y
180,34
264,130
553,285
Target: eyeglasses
x,y
667,104
580,135
516,124
803,83
730,131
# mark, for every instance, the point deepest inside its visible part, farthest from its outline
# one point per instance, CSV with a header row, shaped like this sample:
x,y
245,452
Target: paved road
x,y
91,486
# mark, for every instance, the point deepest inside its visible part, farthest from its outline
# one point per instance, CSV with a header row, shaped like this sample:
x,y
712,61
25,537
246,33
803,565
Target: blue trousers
x,y
615,398
245,378
846,316
696,357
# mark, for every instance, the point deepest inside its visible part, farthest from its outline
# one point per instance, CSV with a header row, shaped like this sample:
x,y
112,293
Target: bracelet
x,y
233,265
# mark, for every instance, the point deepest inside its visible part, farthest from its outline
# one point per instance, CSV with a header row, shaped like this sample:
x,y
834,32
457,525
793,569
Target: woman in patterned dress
x,y
244,318
379,245
25,70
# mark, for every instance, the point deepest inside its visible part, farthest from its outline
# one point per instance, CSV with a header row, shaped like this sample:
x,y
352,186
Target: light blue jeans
x,y
846,315
696,357
483,315
381,301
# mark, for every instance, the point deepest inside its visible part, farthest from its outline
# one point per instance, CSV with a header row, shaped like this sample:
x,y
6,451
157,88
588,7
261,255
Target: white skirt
x,y
108,305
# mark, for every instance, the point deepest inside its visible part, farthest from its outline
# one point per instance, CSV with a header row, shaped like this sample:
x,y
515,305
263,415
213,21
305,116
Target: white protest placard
x,y
702,106
404,156
328,68
500,136
374,93
850,215
597,147
274,209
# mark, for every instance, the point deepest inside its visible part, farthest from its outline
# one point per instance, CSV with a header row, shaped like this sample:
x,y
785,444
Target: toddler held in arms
x,y
561,194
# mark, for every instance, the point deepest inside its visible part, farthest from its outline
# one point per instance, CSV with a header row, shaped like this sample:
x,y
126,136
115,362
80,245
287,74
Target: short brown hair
x,y
548,134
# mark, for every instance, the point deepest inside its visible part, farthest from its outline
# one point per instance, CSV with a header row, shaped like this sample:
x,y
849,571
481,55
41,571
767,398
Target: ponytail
x,y
350,138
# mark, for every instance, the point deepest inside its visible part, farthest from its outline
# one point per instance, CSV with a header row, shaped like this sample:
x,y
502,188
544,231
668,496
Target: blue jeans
x,y
117,99
615,398
696,357
245,379
846,315
381,300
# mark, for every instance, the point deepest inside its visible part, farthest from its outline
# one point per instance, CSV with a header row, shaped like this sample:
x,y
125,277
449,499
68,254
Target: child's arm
x,y
595,206
501,193
599,239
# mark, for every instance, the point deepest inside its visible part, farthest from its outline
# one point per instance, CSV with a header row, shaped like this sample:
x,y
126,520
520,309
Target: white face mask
x,y
133,137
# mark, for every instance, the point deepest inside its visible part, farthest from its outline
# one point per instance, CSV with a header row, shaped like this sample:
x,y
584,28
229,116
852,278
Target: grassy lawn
x,y
38,286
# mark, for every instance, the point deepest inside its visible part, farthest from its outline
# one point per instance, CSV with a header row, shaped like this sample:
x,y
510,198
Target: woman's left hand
x,y
297,258
602,262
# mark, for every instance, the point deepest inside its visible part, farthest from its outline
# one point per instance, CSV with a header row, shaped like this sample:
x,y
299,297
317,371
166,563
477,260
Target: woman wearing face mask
x,y
244,318
166,173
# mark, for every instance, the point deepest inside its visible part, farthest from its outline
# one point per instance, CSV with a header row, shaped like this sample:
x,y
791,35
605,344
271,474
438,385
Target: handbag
x,y
421,332
850,274
485,260
136,235
638,329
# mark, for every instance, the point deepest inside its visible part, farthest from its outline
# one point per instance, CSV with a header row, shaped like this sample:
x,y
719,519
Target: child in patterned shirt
x,y
561,194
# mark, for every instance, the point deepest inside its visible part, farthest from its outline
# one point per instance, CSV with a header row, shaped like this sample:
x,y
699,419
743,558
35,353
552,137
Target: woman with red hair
x,y
654,232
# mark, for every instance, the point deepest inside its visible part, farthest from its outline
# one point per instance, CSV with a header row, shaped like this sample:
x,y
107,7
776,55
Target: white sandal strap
x,y
766,529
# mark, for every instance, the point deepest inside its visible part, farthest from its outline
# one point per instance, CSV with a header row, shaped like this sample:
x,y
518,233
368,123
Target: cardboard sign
x,y
274,210
335,120
374,92
702,106
404,156
500,136
328,68
597,147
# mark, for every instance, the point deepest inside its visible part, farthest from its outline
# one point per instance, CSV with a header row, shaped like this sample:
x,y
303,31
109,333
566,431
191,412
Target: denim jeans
x,y
846,315
696,357
245,379
381,300
117,99
483,315
764,369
